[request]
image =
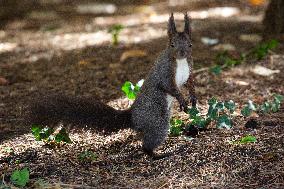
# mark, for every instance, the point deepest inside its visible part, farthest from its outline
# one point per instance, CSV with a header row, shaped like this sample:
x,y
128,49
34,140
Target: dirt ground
x,y
66,52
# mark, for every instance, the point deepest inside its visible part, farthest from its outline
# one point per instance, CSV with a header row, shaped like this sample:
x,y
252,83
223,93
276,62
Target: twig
x,y
201,70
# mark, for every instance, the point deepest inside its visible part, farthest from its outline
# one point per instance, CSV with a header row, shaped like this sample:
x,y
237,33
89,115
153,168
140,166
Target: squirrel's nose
x,y
182,53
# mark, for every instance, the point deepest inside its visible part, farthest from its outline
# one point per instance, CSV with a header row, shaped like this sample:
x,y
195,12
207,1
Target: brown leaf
x,y
83,62
257,2
132,54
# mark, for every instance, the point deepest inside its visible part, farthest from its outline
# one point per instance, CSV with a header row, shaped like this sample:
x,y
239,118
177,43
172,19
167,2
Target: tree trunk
x,y
274,18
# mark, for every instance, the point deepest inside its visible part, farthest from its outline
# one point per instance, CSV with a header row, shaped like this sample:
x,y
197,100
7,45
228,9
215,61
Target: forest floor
x,y
67,52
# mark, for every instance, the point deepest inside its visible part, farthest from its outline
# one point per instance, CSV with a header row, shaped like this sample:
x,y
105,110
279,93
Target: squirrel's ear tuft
x,y
187,27
171,26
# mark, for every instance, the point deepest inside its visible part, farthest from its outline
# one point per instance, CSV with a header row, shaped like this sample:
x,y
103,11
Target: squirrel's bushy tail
x,y
77,111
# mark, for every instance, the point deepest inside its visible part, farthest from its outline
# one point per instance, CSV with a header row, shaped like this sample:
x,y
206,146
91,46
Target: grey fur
x,y
150,113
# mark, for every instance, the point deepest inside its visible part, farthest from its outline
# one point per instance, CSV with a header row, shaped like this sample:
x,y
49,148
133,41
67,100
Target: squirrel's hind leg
x,y
153,139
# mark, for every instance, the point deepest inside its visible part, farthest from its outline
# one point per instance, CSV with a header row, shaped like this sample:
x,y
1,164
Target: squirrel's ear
x,y
187,27
171,26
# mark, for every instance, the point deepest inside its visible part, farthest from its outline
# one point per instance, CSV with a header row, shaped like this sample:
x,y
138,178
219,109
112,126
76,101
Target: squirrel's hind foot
x,y
156,156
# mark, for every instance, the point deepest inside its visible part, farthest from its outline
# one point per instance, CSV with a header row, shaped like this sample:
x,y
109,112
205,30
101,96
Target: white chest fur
x,y
181,76
182,72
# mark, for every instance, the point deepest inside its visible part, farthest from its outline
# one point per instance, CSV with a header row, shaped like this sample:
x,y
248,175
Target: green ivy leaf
x,y
278,98
217,69
247,139
220,106
45,133
212,113
176,127
230,105
175,131
176,122
201,122
36,132
246,111
62,136
224,121
20,177
265,107
193,112
128,89
275,106
212,101
212,110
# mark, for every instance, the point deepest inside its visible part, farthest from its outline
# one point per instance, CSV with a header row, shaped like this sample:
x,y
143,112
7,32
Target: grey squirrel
x,y
150,112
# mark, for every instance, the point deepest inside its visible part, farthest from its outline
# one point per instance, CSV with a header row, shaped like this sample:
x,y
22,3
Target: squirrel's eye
x,y
190,45
172,44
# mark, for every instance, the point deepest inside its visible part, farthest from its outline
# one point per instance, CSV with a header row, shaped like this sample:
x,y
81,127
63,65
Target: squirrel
x,y
150,112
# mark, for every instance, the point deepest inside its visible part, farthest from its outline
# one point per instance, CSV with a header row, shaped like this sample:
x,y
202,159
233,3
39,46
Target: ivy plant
x,y
226,60
267,106
176,127
48,135
131,90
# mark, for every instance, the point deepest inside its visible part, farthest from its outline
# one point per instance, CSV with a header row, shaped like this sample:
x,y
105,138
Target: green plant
x,y
266,107
48,134
20,177
115,31
218,112
176,127
216,69
9,150
248,109
245,140
130,90
263,49
227,60
87,156
221,115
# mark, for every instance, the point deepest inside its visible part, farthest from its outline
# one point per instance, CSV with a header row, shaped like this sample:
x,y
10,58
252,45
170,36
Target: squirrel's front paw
x,y
193,100
184,106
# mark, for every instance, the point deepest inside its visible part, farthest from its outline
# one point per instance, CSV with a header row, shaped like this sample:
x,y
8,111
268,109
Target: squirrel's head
x,y
179,42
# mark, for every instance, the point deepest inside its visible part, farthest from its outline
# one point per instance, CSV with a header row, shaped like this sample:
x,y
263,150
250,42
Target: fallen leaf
x,y
224,47
3,81
83,62
242,83
263,71
131,54
254,38
257,2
